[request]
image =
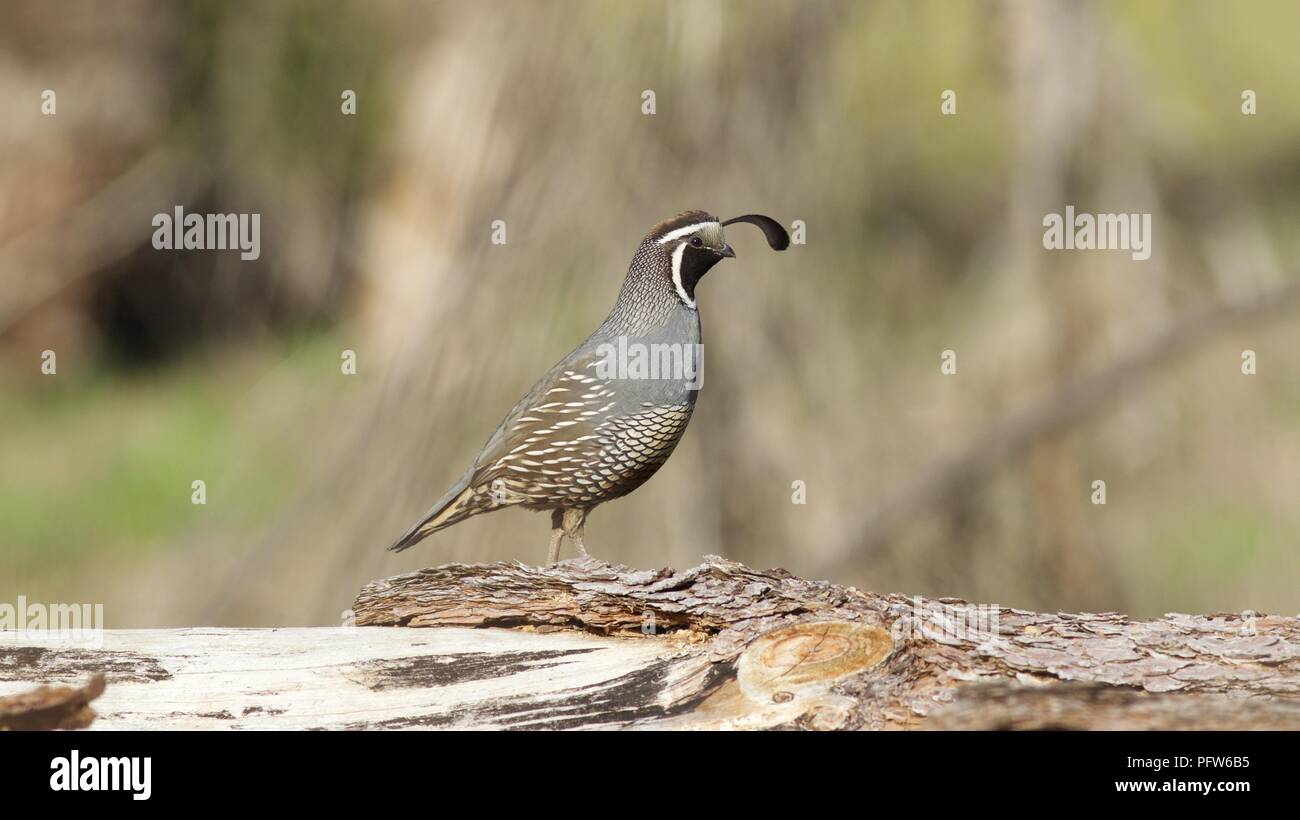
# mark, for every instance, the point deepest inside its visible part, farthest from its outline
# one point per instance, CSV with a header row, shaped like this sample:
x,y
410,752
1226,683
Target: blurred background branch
x,y
44,259
947,486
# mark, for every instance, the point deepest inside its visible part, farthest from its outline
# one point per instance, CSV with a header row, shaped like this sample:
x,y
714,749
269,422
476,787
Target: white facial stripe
x,y
678,253
680,232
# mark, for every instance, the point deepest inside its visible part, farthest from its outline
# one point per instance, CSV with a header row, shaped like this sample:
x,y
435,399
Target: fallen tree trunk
x,y
585,644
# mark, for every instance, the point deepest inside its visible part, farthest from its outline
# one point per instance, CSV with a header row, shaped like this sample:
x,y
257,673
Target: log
x,y
51,707
587,644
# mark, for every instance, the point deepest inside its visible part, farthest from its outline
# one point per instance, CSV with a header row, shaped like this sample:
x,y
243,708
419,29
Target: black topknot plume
x,y
777,238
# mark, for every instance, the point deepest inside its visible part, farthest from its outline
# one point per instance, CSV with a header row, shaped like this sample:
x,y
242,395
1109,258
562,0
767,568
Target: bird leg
x,y
575,521
557,533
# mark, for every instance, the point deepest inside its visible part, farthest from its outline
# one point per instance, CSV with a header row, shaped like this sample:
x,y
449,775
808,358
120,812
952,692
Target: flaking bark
x,y
1189,671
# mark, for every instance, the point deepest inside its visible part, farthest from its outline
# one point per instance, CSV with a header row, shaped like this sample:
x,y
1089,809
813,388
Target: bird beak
x,y
727,251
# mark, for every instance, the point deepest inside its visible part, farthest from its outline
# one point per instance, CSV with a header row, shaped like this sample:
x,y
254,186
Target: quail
x,y
608,415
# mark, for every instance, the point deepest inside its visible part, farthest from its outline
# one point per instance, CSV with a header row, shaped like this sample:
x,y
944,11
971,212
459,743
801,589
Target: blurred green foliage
x,y
98,466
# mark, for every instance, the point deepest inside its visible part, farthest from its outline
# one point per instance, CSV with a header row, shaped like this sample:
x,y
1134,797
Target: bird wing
x,y
541,436
552,425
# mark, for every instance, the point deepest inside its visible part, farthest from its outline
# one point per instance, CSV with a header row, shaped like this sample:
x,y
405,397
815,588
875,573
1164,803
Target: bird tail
x,y
449,510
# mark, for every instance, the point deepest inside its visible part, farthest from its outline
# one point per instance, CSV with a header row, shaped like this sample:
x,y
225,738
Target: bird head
x,y
691,243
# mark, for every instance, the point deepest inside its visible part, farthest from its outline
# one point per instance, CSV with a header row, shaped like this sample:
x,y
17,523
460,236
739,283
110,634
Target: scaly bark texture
x,y
866,660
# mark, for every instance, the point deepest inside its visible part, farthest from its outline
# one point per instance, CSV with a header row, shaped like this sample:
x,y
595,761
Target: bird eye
x,y
696,241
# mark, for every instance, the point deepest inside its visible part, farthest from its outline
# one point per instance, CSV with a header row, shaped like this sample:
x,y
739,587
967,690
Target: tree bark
x,y
586,644
784,651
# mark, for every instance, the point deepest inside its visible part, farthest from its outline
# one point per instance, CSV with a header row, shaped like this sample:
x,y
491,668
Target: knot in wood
x,y
807,658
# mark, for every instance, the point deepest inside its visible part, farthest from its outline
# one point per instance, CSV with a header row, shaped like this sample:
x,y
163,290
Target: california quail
x,y
604,419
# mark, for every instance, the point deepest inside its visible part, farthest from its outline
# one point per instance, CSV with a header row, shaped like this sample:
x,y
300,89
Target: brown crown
x,y
681,221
